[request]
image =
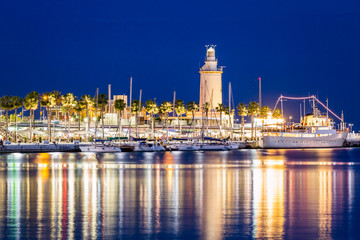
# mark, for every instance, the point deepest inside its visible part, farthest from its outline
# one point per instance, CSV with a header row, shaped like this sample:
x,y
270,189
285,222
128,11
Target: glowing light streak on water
x,y
247,194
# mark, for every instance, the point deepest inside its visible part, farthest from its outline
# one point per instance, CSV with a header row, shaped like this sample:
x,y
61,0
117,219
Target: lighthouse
x,y
210,80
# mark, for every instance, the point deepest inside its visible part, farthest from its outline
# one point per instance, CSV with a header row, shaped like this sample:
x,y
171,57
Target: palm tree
x,y
151,108
180,110
135,108
6,104
68,102
192,107
254,110
264,113
58,99
243,112
220,108
17,103
87,102
102,102
31,102
48,100
229,111
166,108
277,113
78,108
207,107
119,106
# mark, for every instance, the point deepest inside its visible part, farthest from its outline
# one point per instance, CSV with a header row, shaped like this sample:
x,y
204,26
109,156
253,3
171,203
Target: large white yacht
x,y
314,137
314,131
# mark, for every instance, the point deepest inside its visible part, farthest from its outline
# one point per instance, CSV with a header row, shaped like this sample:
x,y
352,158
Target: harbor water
x,y
242,194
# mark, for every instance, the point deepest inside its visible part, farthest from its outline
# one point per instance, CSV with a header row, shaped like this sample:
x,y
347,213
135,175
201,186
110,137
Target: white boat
x,y
315,130
99,148
321,137
352,140
235,145
187,147
213,147
148,147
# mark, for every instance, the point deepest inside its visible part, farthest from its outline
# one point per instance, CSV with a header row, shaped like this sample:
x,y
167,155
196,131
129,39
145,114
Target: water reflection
x,y
245,194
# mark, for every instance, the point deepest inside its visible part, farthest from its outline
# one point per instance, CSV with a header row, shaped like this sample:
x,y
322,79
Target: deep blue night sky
x,y
297,47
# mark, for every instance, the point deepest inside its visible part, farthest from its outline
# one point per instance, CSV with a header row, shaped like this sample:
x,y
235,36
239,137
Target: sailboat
x,y
99,146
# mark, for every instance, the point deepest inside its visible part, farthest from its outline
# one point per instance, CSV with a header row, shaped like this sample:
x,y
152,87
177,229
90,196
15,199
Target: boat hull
x,y
188,148
100,149
149,149
213,147
332,141
38,148
234,146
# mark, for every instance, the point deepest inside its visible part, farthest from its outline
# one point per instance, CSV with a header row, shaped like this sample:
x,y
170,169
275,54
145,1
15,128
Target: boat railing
x,y
353,136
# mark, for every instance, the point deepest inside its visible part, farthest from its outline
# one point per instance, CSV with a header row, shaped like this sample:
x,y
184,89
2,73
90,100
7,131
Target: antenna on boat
x,y
327,106
282,108
304,108
260,103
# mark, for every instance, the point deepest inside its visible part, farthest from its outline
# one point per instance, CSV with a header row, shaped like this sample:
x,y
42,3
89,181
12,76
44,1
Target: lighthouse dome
x,y
210,54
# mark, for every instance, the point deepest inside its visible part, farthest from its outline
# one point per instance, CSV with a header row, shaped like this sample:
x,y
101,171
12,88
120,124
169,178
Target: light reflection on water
x,y
212,195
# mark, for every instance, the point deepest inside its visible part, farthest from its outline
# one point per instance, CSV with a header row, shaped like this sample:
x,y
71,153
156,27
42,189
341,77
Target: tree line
x,y
70,106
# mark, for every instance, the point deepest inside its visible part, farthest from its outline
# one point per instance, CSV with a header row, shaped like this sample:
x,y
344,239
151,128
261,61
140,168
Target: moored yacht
x,y
148,147
213,147
104,147
316,130
316,137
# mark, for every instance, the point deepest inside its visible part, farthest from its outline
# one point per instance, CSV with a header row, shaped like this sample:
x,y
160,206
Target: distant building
x,y
111,115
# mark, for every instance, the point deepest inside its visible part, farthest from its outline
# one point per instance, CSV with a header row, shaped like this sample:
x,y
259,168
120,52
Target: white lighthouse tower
x,y
210,80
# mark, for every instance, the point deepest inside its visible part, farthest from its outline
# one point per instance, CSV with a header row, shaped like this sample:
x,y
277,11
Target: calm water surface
x,y
247,194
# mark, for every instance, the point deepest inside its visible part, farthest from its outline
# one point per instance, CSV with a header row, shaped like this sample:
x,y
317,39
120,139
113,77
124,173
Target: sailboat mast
x,y
130,91
230,124
229,96
174,97
140,102
96,108
129,129
202,113
136,117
